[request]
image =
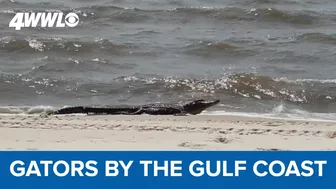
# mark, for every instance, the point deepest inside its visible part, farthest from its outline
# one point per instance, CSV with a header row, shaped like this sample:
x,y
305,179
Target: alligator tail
x,y
95,110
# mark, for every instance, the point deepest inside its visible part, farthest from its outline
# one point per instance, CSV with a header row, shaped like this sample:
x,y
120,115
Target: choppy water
x,y
258,56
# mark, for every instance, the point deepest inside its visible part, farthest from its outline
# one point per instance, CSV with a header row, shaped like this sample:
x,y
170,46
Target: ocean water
x,y
259,57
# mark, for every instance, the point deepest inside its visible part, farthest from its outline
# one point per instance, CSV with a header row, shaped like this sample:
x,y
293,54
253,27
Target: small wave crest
x,y
57,44
317,38
209,48
268,2
126,14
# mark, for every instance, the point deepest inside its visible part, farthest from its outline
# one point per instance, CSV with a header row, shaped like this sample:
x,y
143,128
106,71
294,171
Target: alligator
x,y
195,107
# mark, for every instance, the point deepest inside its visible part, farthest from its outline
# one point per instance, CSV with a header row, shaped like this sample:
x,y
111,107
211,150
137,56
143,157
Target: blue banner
x,y
167,169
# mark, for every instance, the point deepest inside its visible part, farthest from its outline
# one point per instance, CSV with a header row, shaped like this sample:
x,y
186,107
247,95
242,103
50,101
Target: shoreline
x,y
145,132
212,114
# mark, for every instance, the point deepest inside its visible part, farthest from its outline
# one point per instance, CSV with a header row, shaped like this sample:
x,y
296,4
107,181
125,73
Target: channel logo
x,y
56,19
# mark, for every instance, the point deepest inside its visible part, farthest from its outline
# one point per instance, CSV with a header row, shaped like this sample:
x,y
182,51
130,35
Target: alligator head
x,y
197,106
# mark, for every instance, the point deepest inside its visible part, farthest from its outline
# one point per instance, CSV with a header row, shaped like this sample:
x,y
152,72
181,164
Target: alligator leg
x,y
138,112
182,113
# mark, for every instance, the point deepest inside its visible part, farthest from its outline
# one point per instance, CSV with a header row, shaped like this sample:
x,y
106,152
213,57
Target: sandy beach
x,y
202,132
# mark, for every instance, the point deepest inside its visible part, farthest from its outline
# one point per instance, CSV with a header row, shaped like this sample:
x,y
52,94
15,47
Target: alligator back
x,y
71,110
96,110
111,110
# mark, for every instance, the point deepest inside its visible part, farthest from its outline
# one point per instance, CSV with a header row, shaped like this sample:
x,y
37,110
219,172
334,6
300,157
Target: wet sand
x,y
202,132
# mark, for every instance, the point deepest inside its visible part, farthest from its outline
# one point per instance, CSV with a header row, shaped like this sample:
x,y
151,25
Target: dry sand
x,y
202,132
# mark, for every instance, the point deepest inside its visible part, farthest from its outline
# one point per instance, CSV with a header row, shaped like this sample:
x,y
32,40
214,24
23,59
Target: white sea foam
x,y
37,45
306,80
25,109
299,115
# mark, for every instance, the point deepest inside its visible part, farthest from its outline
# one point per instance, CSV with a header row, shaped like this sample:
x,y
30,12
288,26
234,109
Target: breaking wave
x,y
26,109
282,112
251,86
